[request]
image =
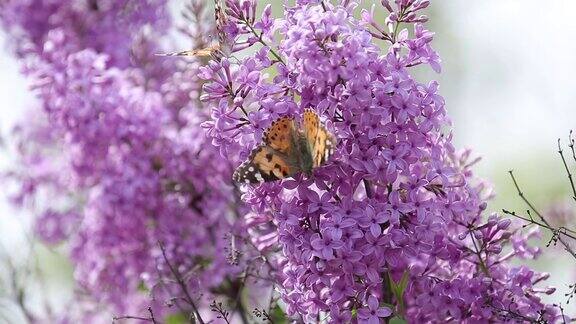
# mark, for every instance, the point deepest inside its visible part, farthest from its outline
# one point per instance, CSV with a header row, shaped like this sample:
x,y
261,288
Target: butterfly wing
x,y
275,159
280,135
320,141
263,165
201,52
221,47
311,125
323,147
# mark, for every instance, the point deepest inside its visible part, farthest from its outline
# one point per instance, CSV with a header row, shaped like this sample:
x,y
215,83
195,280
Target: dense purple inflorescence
x,y
119,154
392,225
397,199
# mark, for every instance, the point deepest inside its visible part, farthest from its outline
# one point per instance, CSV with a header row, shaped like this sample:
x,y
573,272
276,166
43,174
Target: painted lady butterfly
x,y
287,150
217,49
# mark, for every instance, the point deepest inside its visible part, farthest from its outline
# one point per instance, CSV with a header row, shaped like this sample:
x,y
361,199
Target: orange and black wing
x,y
280,135
310,125
272,160
263,165
320,141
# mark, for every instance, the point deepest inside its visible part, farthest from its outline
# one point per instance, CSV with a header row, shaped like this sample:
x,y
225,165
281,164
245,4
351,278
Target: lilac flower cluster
x,y
107,26
396,201
117,162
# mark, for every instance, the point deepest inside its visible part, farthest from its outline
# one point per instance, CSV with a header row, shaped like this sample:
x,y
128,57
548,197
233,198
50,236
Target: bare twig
x,y
542,219
182,284
571,145
509,314
562,230
567,169
130,317
265,315
571,293
152,315
218,308
562,313
151,318
368,188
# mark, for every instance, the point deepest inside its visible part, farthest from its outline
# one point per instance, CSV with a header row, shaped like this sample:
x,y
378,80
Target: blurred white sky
x,y
508,78
509,69
14,98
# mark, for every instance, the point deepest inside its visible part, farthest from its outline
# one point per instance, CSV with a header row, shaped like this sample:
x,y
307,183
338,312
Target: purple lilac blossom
x,y
117,151
119,145
403,198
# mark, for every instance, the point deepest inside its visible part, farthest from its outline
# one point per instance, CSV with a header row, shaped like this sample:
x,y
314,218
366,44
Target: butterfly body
x,y
306,162
287,150
301,157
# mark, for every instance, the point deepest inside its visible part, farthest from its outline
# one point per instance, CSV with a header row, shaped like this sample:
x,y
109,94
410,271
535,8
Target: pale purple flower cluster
x,y
107,26
393,225
117,163
396,200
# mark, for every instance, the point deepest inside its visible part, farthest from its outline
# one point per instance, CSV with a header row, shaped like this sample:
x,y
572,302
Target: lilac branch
x,y
218,308
130,317
151,318
571,293
567,169
182,284
562,230
261,39
559,234
571,146
478,253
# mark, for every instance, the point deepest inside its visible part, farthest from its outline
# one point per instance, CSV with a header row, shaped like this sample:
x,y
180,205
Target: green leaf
x,y
399,288
142,287
177,318
278,315
403,283
397,320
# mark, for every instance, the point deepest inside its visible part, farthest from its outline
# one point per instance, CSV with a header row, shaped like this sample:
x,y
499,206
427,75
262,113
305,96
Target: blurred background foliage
x,y
508,80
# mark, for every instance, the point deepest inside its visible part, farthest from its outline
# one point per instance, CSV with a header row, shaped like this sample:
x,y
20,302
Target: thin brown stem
x,y
571,146
368,188
182,284
117,318
152,315
531,220
567,170
548,226
261,40
478,253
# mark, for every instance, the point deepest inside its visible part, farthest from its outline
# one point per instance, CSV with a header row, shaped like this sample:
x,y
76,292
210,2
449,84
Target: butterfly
x,y
218,49
288,150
